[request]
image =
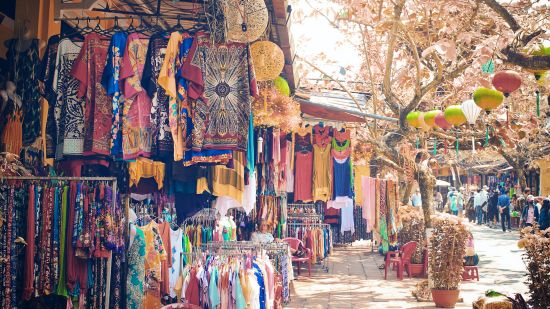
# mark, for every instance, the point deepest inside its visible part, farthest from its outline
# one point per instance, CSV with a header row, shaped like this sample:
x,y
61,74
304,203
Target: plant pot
x,y
445,298
417,270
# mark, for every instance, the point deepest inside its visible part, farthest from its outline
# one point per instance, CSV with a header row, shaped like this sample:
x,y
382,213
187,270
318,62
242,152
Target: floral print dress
x,y
136,271
155,254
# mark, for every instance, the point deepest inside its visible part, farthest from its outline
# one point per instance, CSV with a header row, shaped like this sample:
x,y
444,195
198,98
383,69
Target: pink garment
x,y
368,187
303,180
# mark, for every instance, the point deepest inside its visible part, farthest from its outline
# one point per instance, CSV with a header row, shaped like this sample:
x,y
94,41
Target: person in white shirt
x,y
416,199
480,200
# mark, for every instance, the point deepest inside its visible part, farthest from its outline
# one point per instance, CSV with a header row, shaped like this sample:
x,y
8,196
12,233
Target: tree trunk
x,y
407,192
521,177
426,183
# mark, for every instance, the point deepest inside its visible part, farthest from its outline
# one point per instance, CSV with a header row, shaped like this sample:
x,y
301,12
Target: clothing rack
x,y
72,178
68,178
237,246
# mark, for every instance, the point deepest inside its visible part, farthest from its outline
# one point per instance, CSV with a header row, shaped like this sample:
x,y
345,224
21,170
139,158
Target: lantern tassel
x,y
445,146
435,146
265,100
486,137
417,142
538,103
473,145
457,145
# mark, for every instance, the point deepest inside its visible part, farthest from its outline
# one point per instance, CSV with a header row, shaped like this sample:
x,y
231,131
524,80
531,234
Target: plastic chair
x,y
470,273
401,259
294,244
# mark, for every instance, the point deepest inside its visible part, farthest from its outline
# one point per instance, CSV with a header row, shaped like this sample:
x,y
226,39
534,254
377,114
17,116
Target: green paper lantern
x,y
488,99
412,119
454,115
281,85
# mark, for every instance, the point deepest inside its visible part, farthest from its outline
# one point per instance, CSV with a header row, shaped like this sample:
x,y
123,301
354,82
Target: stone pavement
x,y
354,280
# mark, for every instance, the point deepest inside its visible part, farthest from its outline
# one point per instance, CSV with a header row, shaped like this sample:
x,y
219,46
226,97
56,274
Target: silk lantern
x,y
268,60
454,115
471,111
412,119
246,20
281,85
441,122
488,99
541,51
429,117
507,82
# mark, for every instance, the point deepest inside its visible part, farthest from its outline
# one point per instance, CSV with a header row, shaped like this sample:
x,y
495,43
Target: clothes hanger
x,y
116,27
177,27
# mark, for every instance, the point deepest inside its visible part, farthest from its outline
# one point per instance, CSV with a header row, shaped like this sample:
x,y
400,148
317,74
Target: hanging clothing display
x,y
343,169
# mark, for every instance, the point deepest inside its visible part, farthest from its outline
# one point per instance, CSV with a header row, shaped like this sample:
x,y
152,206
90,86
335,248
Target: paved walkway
x,y
354,280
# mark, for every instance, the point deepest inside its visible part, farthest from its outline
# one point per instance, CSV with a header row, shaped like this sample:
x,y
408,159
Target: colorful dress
x,y
162,143
23,71
98,114
155,254
11,125
136,271
110,80
136,132
221,83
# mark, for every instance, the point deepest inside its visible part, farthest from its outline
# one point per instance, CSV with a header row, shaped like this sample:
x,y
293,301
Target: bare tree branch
x,y
503,12
392,38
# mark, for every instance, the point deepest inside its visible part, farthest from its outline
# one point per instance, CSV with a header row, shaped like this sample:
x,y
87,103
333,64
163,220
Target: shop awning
x,y
337,106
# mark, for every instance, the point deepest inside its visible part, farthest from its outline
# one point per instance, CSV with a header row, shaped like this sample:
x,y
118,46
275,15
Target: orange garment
x,y
164,228
12,137
155,253
146,168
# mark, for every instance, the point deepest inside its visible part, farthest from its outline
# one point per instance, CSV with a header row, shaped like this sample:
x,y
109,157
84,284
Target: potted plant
x,y
447,246
537,258
412,229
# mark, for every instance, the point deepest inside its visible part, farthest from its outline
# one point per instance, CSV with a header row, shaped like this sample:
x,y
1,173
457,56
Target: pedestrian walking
x,y
504,208
480,201
544,217
493,211
530,213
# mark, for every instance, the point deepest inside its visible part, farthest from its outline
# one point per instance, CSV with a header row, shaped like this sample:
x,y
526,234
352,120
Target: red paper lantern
x,y
507,81
441,122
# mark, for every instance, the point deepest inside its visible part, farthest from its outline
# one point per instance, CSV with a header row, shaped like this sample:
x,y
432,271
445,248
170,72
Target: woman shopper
x,y
530,213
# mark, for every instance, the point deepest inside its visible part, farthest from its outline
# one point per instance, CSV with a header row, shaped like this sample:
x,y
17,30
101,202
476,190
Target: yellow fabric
x,y
322,173
167,80
229,181
359,171
155,254
44,106
146,168
544,165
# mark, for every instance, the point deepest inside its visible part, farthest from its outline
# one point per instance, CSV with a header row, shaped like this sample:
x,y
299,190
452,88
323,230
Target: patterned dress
x,y
68,107
155,254
221,83
98,113
24,69
110,80
162,143
136,271
136,132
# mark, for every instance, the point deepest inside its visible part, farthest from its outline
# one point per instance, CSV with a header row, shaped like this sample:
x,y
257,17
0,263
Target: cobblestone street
x,y
354,280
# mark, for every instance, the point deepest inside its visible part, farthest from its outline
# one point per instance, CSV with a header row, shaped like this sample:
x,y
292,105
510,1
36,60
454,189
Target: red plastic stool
x,y
470,273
